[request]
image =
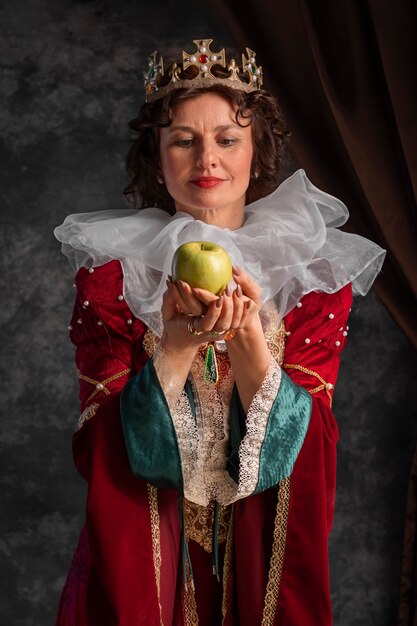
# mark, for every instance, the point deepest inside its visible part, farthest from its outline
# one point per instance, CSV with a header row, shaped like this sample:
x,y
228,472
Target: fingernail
x,y
238,291
236,270
219,302
195,290
228,290
181,284
170,278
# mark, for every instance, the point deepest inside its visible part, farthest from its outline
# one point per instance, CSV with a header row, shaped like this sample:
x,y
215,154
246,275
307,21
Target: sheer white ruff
x,y
289,243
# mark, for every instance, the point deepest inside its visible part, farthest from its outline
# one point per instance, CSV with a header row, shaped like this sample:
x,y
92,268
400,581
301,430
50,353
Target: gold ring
x,y
192,330
215,333
230,334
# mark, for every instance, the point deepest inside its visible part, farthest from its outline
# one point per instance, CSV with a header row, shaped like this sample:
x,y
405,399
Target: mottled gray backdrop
x,y
70,81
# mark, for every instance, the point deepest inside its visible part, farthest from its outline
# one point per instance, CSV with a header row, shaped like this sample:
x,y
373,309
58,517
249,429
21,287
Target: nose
x,y
206,155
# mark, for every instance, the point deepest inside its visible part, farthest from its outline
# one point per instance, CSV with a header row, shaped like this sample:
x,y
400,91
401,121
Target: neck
x,y
224,218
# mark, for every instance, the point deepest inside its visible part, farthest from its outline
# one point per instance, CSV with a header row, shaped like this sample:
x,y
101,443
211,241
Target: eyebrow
x,y
172,129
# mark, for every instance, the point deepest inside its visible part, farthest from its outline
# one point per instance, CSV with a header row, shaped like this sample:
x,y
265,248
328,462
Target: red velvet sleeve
x,y
108,340
316,335
107,336
109,349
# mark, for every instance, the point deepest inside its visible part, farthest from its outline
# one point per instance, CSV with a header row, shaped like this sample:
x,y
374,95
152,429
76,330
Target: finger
x,y
225,318
238,306
177,296
192,303
169,305
207,297
249,287
248,309
207,322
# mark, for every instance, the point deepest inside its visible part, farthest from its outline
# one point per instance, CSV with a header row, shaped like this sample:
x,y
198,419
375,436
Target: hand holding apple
x,y
233,309
238,308
249,288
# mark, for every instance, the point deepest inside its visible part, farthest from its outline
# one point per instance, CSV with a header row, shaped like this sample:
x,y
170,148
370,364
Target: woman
x,y
198,463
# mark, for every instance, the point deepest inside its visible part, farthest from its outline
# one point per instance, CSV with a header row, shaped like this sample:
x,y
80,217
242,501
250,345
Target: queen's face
x,y
206,160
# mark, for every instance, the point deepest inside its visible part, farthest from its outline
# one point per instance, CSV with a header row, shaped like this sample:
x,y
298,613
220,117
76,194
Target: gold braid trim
x,y
156,542
324,385
278,552
101,386
88,413
227,563
189,605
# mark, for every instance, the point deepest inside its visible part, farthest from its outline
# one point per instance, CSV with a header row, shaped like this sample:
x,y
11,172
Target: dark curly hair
x,y
269,135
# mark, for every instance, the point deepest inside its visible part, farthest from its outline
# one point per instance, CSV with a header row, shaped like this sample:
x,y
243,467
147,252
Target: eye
x,y
227,141
183,143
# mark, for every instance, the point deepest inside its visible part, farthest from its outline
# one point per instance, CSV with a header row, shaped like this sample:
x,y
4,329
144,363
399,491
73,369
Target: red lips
x,y
207,182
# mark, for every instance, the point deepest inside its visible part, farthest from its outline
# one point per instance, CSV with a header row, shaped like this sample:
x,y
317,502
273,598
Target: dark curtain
x,y
345,72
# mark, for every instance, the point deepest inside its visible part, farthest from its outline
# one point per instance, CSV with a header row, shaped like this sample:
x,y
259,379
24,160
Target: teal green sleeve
x,y
149,433
286,428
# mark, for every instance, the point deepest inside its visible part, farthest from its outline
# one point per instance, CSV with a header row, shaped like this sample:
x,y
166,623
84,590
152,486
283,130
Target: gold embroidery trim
x,y
150,342
156,542
276,343
274,330
87,414
101,385
324,384
278,552
189,605
227,564
198,522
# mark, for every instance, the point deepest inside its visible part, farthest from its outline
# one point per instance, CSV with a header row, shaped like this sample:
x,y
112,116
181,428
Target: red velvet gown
x,y
127,567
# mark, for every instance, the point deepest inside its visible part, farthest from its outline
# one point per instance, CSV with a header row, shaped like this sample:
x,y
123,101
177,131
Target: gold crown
x,y
158,83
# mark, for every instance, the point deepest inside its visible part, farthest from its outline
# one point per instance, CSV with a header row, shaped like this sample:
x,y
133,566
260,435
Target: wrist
x,y
250,341
251,331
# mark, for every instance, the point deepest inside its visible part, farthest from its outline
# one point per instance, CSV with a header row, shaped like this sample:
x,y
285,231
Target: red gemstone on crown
x,y
203,58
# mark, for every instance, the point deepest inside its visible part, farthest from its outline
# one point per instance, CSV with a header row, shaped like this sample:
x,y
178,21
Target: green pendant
x,y
211,373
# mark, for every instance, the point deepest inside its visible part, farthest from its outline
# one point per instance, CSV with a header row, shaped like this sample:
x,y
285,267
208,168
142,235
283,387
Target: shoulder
x,y
318,303
320,318
100,283
100,297
100,308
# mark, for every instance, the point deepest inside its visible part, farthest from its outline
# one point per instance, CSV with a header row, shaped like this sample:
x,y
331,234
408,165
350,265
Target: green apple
x,y
202,264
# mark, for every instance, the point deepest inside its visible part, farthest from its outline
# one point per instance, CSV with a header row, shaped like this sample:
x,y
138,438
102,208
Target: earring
x,y
160,180
255,175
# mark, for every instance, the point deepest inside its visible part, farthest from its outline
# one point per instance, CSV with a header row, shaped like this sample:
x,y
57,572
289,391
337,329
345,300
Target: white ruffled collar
x,y
289,243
